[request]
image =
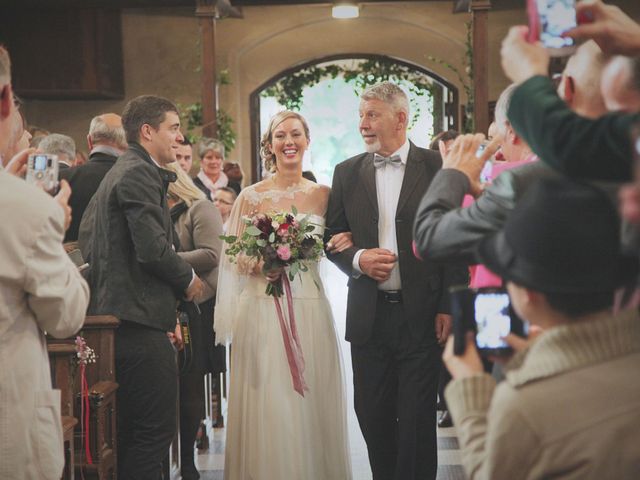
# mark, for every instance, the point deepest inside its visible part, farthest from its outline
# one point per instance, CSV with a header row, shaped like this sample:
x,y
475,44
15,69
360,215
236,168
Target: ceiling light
x,y
345,10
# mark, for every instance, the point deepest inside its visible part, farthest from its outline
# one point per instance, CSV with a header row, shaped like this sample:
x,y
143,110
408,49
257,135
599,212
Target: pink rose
x,y
284,253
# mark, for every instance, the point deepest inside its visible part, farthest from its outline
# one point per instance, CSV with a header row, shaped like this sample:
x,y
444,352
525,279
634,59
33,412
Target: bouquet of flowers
x,y
279,240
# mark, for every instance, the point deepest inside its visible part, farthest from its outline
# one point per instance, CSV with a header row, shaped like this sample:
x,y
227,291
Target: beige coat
x,y
40,290
569,408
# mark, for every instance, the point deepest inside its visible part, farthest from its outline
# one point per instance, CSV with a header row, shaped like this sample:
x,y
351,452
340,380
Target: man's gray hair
x,y
5,66
100,133
502,107
389,93
207,145
61,145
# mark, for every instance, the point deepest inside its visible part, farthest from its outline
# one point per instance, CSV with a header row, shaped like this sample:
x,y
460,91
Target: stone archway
x,y
442,105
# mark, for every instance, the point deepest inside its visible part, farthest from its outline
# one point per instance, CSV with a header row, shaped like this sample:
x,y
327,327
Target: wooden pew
x,y
99,333
61,361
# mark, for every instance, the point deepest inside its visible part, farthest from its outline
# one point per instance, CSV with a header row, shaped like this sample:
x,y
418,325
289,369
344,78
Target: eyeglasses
x,y
224,202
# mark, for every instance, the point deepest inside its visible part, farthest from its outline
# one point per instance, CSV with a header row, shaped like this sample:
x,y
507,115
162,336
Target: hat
x,y
562,237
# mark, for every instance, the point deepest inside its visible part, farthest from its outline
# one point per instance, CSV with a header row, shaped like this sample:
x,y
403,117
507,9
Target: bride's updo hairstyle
x,y
267,155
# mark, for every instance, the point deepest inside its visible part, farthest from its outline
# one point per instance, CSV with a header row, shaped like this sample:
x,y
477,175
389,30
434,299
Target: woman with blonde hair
x,y
273,432
199,226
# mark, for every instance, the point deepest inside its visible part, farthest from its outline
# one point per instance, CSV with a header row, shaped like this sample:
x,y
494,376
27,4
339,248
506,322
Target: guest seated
x,y
569,405
184,155
211,177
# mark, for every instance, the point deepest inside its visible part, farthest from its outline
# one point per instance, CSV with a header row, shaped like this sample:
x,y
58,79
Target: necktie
x,y
379,160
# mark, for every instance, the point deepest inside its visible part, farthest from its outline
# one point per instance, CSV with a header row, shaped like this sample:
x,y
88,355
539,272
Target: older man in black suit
x,y
107,142
397,311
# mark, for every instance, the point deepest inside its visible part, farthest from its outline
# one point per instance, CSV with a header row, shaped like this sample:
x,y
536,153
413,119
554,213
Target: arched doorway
x,y
326,92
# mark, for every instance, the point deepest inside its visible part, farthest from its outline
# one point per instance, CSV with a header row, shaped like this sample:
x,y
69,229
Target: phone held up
x,y
548,20
487,312
42,171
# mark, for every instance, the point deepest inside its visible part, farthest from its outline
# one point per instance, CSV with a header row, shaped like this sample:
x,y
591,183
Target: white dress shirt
x,y
388,185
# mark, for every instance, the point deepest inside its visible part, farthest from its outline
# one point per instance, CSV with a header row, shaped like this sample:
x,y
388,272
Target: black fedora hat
x,y
562,237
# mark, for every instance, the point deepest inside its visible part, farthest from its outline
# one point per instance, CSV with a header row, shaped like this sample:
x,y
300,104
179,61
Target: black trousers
x,y
395,385
146,373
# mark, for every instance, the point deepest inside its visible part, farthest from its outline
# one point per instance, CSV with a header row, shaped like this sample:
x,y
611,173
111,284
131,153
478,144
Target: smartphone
x,y
488,313
548,20
43,170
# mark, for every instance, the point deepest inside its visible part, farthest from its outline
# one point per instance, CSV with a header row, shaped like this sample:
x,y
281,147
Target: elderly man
x,y
397,309
621,84
443,231
61,145
41,290
106,140
137,276
597,148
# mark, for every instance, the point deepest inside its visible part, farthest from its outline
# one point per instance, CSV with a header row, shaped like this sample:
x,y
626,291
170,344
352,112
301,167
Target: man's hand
x,y
18,164
463,158
194,290
443,327
522,60
610,27
377,263
63,200
176,337
629,196
466,365
340,242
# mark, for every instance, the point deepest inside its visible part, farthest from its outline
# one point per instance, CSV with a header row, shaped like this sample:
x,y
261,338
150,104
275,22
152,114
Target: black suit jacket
x,y
353,206
84,181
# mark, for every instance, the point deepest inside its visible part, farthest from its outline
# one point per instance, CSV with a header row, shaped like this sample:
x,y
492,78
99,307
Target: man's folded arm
x,y
337,223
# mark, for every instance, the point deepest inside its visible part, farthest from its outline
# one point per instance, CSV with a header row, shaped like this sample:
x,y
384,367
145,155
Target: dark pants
x,y
191,414
146,373
395,384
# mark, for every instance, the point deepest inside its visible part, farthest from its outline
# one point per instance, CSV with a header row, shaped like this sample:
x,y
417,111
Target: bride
x,y
273,433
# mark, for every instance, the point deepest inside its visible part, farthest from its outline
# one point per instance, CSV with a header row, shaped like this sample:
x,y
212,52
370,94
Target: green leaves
x,y
253,231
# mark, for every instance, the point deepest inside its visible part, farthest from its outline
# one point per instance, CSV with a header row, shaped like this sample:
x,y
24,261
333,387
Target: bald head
x,y
106,129
580,84
620,85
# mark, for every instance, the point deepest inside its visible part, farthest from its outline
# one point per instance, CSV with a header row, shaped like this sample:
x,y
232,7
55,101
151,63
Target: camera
x,y
42,170
488,313
548,20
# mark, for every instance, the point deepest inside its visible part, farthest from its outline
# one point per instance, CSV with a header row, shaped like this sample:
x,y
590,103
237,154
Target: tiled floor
x,y
211,462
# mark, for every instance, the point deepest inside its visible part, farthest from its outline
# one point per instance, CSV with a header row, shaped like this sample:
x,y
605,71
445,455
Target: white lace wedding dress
x,y
273,433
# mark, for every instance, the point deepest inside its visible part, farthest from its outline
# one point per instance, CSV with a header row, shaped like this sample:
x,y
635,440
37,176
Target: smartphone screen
x,y
493,319
556,17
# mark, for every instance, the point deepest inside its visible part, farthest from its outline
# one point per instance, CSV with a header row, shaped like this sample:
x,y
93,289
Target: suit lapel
x,y
368,177
413,176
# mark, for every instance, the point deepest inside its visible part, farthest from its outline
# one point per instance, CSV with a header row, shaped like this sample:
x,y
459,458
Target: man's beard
x,y
372,147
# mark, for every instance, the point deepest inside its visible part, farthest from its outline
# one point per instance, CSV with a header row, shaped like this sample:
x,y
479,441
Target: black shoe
x,y
445,420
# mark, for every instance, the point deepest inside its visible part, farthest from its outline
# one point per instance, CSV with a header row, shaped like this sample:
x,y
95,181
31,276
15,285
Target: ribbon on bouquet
x,y
291,340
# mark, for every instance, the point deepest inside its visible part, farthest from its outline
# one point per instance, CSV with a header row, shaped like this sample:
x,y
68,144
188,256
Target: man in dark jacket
x,y
136,275
107,142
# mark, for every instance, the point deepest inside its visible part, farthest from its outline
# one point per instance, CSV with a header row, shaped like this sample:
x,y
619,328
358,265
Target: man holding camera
x,y
568,407
41,290
136,275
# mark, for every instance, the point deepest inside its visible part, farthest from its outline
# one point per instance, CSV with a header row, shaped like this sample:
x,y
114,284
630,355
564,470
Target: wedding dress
x,y
273,433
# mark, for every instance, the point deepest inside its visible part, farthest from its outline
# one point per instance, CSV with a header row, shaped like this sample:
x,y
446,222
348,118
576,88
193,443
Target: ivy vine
x,y
191,117
361,73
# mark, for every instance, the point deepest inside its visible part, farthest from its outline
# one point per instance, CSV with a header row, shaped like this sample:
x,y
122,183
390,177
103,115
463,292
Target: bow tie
x,y
379,160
